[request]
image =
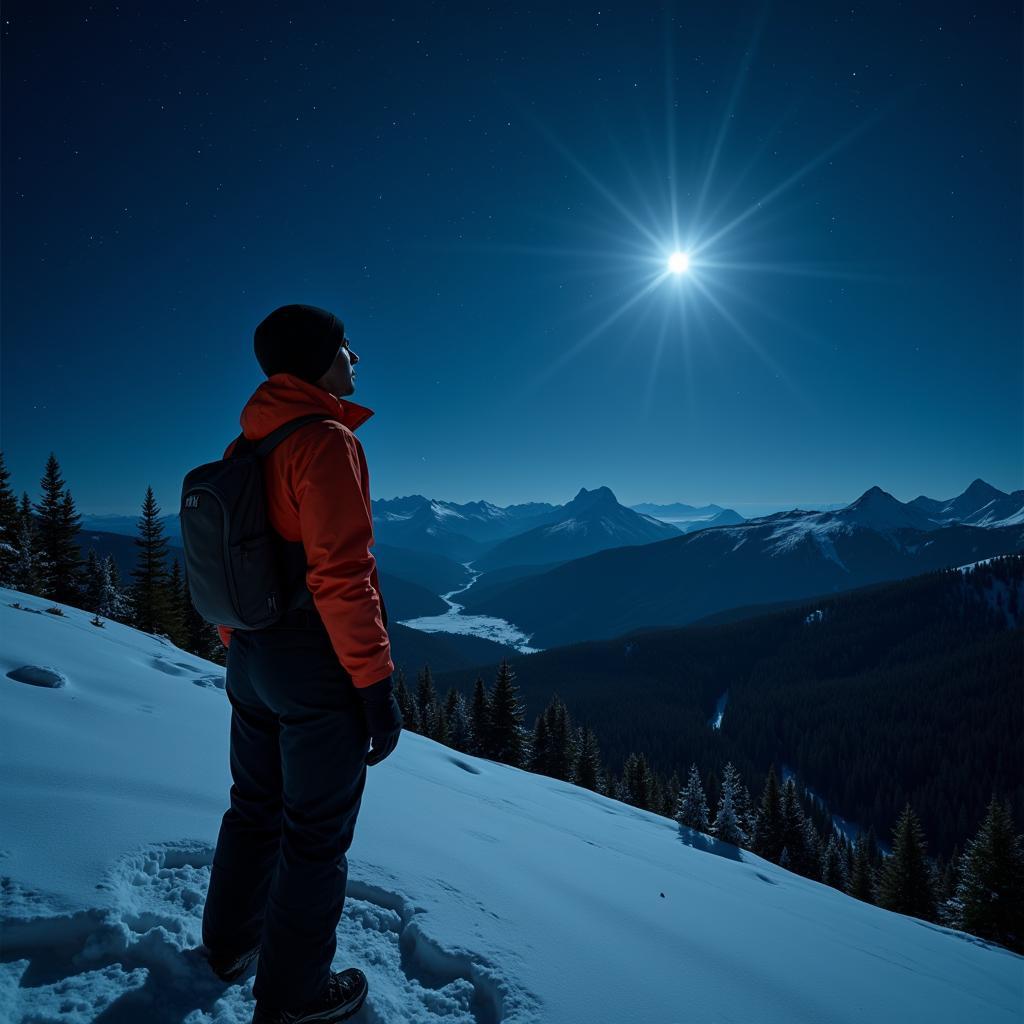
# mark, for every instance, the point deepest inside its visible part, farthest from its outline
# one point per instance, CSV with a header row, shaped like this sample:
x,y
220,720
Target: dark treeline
x,y
980,890
40,555
903,692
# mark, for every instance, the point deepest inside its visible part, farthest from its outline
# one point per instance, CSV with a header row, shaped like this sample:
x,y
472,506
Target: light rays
x,y
661,246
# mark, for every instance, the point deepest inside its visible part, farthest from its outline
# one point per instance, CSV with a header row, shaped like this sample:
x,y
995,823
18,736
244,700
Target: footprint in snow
x,y
137,959
38,675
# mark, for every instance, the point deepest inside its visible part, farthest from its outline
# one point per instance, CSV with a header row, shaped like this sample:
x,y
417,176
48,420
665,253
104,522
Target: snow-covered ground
x,y
487,627
477,893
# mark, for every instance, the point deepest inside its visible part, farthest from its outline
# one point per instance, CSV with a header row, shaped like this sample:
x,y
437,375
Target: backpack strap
x,y
273,439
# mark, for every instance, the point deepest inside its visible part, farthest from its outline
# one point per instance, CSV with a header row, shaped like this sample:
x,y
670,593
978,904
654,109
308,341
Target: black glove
x,y
383,718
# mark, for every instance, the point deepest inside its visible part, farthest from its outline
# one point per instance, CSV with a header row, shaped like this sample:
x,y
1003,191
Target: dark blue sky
x,y
487,195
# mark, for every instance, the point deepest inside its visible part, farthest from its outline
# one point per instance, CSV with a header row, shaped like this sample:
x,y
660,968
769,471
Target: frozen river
x,y
486,626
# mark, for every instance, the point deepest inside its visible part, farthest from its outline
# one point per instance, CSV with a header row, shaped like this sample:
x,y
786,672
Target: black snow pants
x,y
298,746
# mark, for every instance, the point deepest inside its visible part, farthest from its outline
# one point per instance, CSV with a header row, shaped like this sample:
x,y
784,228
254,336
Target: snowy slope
x,y
478,892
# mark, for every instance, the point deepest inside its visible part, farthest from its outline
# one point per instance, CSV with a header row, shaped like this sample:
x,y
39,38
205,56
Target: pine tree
x,y
768,840
692,807
833,865
990,891
406,704
906,884
727,826
71,553
812,851
671,795
586,771
200,636
175,623
794,832
506,718
746,813
861,882
117,600
426,703
539,752
657,793
93,578
111,602
457,721
149,594
26,573
636,781
480,720
440,724
10,526
560,745
56,533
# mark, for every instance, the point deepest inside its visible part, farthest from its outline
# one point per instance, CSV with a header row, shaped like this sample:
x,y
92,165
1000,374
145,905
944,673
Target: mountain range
x,y
774,558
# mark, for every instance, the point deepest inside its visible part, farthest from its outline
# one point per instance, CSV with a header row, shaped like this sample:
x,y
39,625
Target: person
x,y
312,696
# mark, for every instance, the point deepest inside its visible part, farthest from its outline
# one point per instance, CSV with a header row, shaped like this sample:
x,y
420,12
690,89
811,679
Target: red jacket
x,y
318,491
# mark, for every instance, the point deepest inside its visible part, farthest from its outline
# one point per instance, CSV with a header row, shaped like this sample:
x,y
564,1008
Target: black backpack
x,y
233,556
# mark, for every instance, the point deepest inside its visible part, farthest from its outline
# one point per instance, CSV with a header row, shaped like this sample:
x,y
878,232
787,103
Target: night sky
x,y
488,196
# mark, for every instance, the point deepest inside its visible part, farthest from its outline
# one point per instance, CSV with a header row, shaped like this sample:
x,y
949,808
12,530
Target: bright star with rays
x,y
679,262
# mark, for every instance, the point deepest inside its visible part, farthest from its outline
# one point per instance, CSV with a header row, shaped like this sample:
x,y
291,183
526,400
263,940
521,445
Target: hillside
x,y
901,690
478,893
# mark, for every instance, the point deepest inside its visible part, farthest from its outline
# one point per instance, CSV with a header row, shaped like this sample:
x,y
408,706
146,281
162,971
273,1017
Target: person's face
x,y
340,379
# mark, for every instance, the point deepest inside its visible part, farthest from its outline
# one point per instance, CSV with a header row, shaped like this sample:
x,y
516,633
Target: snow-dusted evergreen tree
x,y
119,601
480,721
456,716
726,826
426,703
506,718
56,537
746,812
636,781
406,703
26,572
92,581
111,601
692,807
767,840
833,865
586,770
812,850
10,526
149,594
990,892
906,885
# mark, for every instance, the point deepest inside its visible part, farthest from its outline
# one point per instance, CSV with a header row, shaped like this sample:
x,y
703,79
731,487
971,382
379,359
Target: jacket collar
x,y
283,397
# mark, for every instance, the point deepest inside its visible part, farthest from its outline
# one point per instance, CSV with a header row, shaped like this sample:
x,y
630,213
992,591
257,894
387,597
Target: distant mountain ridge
x,y
980,504
774,558
688,518
592,521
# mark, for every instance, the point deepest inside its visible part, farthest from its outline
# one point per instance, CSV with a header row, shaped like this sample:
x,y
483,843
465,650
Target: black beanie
x,y
298,339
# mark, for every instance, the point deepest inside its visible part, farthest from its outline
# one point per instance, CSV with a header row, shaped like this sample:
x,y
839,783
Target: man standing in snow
x,y
311,696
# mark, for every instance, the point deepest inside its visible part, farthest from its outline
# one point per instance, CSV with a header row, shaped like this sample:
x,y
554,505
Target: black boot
x,y
346,992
